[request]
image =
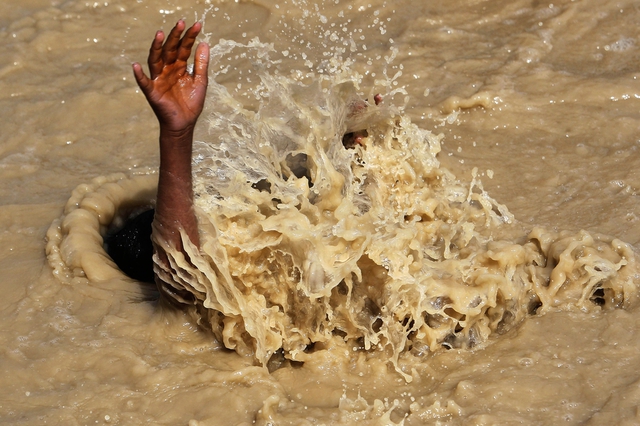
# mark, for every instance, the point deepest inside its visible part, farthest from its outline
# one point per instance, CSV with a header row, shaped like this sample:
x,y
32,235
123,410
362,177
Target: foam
x,y
305,241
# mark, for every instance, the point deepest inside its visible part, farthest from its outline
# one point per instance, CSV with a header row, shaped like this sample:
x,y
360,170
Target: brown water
x,y
550,101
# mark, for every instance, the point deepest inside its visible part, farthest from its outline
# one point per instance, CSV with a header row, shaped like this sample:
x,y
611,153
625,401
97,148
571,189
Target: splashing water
x,y
307,241
312,239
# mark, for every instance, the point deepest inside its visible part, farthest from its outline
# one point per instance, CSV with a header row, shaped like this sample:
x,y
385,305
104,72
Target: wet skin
x,y
177,98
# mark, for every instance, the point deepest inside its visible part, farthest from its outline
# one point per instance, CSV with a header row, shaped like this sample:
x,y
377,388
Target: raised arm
x,y
177,98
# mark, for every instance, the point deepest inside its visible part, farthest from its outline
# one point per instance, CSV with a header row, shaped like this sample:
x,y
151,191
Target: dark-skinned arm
x,y
177,99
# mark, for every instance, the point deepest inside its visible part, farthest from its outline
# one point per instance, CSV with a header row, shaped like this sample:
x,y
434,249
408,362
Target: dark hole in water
x,y
352,139
299,166
452,341
276,361
534,305
262,185
296,364
377,325
598,297
131,249
340,333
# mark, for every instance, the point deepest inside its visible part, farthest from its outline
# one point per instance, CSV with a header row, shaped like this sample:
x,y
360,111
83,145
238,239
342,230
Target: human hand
x,y
175,95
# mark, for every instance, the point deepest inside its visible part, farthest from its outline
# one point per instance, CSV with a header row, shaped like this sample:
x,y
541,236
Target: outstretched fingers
x,y
171,46
155,61
187,42
163,53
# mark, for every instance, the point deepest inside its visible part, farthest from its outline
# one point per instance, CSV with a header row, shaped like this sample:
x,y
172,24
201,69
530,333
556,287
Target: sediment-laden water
x,y
470,261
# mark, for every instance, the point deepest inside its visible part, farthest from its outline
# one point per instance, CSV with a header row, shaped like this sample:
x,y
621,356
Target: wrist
x,y
176,133
176,144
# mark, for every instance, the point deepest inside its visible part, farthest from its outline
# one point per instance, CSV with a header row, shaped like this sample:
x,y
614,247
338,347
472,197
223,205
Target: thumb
x,y
142,80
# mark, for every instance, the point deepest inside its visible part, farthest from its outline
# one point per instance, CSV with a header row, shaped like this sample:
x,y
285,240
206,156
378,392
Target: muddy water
x,y
547,98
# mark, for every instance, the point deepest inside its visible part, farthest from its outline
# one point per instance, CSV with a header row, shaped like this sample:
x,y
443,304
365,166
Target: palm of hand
x,y
176,96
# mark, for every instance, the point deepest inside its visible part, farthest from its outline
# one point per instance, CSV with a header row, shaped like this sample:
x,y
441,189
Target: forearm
x,y
177,98
174,205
